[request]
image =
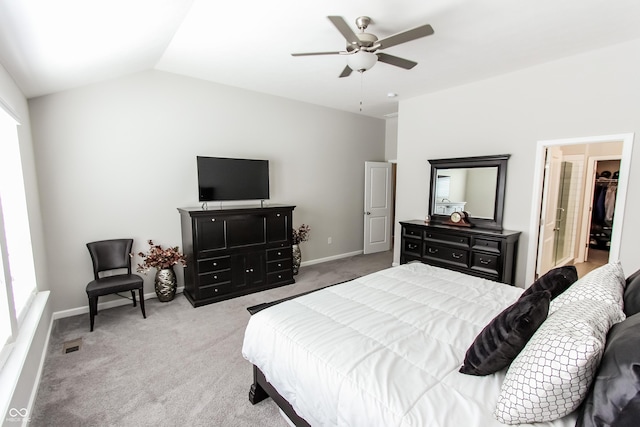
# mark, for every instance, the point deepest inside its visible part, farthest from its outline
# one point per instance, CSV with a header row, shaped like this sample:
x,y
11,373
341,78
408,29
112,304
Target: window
x,y
17,273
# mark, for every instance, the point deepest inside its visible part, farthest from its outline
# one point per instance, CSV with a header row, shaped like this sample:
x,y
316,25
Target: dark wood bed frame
x,y
261,389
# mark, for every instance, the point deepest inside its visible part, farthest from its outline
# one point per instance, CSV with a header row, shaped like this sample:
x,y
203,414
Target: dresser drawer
x,y
412,246
485,262
412,232
221,276
449,255
280,276
486,245
283,264
451,239
213,264
214,290
279,253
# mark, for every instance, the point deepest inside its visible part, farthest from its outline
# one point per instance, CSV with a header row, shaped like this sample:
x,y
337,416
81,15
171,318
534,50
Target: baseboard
x,y
331,258
103,305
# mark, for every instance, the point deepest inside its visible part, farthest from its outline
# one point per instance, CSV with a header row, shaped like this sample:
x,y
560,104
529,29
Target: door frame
x,y
534,222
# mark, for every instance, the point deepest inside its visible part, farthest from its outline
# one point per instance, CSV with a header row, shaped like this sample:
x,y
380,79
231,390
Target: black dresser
x,y
235,251
484,253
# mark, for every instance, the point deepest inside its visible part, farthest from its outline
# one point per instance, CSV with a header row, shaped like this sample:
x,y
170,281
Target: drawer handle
x,y
279,265
213,220
456,256
278,215
215,290
215,277
433,251
485,261
279,276
215,264
461,240
279,253
411,246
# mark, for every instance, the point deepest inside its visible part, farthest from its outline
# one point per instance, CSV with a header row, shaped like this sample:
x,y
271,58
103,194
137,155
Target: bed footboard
x,y
261,389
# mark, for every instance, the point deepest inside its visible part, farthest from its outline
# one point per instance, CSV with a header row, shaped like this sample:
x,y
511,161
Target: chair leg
x,y
93,310
144,315
133,296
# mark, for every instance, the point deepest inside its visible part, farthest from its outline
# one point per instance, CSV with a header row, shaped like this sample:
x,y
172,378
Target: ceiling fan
x,y
362,48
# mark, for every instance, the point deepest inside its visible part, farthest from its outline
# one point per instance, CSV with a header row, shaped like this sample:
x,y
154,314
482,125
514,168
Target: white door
x,y
548,221
378,188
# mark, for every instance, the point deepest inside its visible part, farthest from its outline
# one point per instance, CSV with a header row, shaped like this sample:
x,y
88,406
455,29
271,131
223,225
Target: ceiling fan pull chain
x,y
361,88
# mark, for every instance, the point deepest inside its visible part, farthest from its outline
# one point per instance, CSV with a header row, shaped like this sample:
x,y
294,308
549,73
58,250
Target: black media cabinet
x,y
235,251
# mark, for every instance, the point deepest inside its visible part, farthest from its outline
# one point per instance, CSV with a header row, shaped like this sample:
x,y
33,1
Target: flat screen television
x,y
223,179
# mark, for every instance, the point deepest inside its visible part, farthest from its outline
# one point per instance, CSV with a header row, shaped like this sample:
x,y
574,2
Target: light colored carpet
x,y
180,366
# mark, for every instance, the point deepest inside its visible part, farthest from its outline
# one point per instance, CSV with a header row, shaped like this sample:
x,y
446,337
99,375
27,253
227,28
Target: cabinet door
x,y
209,235
248,270
278,226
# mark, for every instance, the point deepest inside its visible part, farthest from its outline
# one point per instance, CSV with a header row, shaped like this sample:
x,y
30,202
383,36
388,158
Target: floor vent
x,y
71,346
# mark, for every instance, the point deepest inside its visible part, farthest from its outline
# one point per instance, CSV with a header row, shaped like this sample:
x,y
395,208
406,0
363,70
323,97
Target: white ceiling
x,y
53,45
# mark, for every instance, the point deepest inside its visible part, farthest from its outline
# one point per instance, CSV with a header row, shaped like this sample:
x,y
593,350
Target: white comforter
x,y
383,350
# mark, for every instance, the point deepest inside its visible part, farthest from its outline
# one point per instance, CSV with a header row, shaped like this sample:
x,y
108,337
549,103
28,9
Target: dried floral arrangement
x,y
160,258
301,234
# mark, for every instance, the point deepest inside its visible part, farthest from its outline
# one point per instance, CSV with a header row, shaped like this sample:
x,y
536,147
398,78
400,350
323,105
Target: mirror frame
x,y
499,161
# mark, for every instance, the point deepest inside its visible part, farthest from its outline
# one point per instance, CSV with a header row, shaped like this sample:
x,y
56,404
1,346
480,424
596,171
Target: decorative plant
x,y
301,234
160,258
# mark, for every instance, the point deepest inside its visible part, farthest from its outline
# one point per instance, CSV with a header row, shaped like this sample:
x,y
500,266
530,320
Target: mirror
x,y
472,184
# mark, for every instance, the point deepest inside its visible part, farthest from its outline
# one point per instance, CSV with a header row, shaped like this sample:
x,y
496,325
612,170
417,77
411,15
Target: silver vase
x,y
297,256
166,284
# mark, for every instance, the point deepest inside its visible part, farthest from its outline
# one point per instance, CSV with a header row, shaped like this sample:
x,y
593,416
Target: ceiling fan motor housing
x,y
365,40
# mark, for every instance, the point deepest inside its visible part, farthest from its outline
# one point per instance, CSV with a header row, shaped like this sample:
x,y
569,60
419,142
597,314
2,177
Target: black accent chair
x,y
109,255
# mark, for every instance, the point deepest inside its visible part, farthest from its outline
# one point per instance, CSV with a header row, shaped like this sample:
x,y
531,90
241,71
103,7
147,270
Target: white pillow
x,y
552,374
605,283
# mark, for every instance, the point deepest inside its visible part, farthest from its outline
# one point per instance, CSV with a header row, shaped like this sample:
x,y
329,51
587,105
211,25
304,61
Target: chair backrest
x,y
110,255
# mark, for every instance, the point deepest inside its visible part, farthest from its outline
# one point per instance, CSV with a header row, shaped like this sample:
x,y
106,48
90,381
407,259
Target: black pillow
x,y
555,281
614,398
632,295
502,339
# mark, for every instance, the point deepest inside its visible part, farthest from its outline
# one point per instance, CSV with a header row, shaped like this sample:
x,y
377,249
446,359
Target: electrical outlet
x,y
329,240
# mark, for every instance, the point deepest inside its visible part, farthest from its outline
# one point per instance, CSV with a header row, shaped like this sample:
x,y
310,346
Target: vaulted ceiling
x,y
54,45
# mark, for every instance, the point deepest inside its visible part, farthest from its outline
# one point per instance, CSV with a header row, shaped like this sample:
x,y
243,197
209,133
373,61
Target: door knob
x,y
368,213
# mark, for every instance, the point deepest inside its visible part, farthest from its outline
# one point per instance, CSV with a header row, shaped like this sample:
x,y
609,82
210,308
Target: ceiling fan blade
x,y
317,53
394,60
405,36
344,29
346,72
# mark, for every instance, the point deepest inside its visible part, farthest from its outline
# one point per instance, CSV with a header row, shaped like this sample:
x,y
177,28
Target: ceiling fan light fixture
x,y
362,60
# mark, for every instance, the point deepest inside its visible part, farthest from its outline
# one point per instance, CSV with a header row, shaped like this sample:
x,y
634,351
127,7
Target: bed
x,y
387,349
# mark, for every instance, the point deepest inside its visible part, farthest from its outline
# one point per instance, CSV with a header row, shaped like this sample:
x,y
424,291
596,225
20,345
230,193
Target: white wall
x,y
391,139
585,95
116,159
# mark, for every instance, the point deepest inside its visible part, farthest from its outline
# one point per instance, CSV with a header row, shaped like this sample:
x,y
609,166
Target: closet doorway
x,y
594,249
565,192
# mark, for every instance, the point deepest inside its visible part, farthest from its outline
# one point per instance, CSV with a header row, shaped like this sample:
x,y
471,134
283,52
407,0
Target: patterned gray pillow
x,y
552,374
605,283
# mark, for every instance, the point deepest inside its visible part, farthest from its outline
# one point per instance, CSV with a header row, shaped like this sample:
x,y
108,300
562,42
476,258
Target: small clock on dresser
x,y
460,218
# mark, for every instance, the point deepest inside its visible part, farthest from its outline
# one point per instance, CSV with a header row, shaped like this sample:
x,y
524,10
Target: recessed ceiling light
x,y
392,95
